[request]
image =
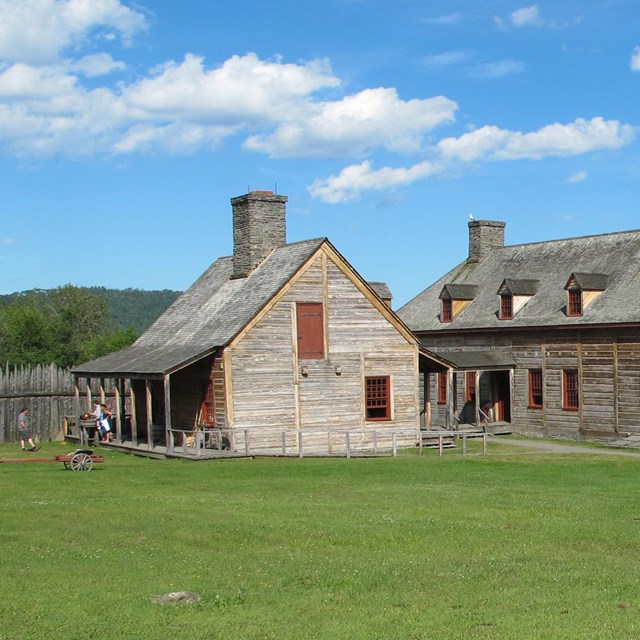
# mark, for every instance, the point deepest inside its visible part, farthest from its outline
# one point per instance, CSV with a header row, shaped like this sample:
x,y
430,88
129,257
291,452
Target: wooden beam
x,y
167,411
149,400
134,416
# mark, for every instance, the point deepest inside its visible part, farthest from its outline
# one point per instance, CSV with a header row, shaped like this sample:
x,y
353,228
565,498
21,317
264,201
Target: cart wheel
x,y
67,465
81,462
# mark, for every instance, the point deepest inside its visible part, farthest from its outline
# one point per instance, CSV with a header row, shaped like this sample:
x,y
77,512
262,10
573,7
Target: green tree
x,y
67,326
25,334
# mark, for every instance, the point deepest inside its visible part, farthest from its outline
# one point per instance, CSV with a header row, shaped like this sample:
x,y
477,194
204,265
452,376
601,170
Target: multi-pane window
x,y
470,386
575,302
378,398
506,306
442,387
570,391
446,313
535,388
310,320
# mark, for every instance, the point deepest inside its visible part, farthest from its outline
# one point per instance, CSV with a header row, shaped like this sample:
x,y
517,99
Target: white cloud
x,y
352,180
7,242
450,18
635,59
484,144
498,69
96,64
527,16
37,31
355,125
446,59
244,88
581,176
581,136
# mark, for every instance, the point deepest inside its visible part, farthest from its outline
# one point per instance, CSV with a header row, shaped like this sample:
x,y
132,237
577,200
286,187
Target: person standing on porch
x,y
24,430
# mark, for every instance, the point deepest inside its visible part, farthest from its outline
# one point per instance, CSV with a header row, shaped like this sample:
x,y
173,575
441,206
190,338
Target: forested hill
x,y
127,307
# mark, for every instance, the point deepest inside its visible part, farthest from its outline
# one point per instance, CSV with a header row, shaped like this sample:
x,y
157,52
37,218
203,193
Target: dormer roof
x,y
518,287
458,292
587,281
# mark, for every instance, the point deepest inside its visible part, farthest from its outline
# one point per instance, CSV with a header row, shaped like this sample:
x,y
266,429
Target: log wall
x,y
608,365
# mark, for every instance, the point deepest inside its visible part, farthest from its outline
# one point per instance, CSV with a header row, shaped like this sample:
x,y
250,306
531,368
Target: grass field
x,y
512,546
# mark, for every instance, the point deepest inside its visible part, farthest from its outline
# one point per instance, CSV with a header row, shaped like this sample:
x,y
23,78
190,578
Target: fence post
x,y
246,442
375,442
394,444
440,444
484,444
464,444
284,442
347,443
300,452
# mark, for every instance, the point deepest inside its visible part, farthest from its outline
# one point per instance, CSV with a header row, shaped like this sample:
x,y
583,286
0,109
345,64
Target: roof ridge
x,y
573,238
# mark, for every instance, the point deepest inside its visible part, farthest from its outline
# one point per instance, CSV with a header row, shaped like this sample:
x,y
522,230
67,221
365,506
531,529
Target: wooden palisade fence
x,y
48,393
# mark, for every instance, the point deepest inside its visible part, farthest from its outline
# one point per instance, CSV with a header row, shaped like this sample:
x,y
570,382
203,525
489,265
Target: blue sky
x,y
126,127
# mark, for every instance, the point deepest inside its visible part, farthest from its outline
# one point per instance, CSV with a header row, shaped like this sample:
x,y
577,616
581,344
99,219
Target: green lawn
x,y
512,545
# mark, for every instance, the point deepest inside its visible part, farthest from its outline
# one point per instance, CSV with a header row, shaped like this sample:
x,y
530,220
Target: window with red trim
x,y
574,306
310,318
442,387
570,391
535,389
378,398
470,386
446,313
506,306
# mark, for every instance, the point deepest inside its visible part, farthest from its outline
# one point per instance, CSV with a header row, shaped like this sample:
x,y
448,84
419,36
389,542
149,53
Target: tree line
x,y
70,325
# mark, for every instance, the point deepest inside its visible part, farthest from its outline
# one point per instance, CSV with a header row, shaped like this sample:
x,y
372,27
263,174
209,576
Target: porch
x,y
472,390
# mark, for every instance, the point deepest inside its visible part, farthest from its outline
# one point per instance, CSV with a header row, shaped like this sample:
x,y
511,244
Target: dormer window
x,y
514,294
506,306
454,299
582,289
446,313
574,306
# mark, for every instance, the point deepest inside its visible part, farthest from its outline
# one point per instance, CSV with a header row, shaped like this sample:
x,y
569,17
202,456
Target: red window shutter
x,y
575,302
310,316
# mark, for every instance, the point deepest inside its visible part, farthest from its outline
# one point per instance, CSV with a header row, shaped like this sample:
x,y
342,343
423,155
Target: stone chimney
x,y
484,236
258,227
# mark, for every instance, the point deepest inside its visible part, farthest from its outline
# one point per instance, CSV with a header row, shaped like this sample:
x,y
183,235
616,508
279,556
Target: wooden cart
x,y
78,460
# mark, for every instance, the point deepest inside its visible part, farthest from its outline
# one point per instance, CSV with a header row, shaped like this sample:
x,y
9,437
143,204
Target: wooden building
x,y
276,342
540,338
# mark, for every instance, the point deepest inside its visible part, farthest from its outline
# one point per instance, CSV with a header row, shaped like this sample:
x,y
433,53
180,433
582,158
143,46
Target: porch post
x,y
168,436
118,409
76,397
149,398
427,401
450,421
134,417
477,398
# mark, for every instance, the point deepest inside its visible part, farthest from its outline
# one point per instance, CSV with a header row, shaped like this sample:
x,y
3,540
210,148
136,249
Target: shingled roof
x,y
614,258
206,316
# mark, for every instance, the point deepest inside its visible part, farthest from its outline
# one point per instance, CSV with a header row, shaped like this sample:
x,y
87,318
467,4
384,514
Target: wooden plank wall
x,y
270,389
608,364
48,392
